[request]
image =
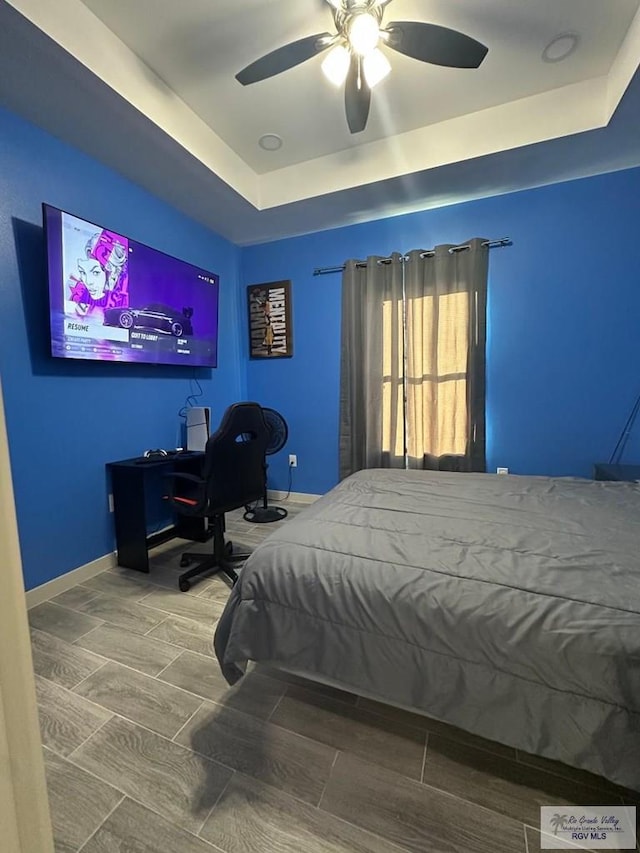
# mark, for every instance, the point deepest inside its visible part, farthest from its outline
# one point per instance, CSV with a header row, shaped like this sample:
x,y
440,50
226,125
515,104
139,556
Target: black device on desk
x,y
138,486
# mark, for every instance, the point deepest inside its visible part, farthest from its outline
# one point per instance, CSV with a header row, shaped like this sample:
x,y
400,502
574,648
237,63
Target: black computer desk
x,y
138,487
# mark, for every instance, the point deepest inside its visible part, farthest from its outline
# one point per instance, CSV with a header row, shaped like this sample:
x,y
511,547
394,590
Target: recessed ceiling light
x,y
560,47
270,142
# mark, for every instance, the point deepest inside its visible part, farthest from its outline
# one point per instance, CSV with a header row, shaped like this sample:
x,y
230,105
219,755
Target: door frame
x,y
25,822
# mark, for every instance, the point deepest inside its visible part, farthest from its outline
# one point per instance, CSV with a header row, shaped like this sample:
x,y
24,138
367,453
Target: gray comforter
x,y
507,606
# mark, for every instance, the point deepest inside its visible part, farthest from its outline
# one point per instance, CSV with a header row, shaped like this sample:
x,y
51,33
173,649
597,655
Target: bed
x,y
508,606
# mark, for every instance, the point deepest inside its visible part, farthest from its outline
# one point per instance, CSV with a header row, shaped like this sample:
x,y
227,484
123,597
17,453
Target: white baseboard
x,y
297,497
48,590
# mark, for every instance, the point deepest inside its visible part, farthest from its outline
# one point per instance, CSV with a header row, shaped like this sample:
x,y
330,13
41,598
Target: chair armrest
x,y
192,499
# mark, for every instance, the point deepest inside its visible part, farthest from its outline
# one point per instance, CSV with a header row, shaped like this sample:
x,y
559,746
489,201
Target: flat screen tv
x,y
114,299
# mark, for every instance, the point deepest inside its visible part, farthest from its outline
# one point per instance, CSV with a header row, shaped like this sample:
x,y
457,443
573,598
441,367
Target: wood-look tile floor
x,y
147,749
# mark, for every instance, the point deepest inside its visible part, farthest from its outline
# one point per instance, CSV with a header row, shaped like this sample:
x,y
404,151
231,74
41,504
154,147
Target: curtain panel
x,y
371,370
413,360
446,299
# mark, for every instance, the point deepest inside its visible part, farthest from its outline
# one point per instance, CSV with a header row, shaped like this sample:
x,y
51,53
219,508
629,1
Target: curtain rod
x,y
491,244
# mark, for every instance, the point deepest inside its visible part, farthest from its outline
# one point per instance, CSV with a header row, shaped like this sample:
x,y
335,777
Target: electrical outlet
x,y
293,460
502,470
110,503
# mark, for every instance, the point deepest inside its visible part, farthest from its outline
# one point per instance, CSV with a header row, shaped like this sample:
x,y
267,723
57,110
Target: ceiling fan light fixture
x,y
335,66
376,67
364,33
352,54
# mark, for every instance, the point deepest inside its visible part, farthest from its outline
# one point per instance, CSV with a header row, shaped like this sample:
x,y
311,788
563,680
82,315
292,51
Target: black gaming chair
x,y
233,475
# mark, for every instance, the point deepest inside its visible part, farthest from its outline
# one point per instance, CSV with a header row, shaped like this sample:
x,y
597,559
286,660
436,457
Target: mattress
x,y
508,606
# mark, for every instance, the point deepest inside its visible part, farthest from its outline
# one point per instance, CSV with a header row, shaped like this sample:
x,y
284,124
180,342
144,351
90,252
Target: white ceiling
x,y
197,46
165,73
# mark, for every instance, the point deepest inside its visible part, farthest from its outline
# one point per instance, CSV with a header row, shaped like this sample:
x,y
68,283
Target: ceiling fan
x,y
355,57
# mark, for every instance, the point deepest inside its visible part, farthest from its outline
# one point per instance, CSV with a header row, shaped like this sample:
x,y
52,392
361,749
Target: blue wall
x,y
66,419
563,349
564,325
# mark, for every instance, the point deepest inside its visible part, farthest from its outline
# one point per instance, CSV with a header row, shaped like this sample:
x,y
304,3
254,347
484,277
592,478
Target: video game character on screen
x,y
98,276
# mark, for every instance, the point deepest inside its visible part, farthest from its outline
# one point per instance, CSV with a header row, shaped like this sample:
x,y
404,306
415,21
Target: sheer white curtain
x,y
413,360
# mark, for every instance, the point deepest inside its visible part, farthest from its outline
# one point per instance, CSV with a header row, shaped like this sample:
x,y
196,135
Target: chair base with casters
x,y
220,561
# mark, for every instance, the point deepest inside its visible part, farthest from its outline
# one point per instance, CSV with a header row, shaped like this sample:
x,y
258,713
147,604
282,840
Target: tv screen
x,y
114,299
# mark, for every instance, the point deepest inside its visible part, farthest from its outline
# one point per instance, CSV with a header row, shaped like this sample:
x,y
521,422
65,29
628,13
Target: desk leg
x,y
129,516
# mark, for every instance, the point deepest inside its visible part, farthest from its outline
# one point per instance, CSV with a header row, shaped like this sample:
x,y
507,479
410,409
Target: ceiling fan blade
x,y
284,58
357,97
438,45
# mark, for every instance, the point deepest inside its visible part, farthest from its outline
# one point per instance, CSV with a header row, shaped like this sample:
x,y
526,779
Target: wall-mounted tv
x,y
114,299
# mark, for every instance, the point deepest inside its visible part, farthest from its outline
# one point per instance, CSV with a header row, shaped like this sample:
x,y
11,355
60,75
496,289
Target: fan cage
x,y
279,431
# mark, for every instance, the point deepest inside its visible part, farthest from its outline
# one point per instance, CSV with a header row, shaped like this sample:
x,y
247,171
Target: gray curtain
x,y
446,307
413,360
371,375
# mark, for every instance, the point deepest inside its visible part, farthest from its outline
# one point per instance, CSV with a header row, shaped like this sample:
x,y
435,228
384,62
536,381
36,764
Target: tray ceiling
x,y
167,70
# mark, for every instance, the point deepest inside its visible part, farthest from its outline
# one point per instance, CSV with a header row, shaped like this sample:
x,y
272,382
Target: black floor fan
x,y
278,434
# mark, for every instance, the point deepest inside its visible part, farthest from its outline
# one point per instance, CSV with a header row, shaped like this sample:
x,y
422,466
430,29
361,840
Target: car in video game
x,y
160,318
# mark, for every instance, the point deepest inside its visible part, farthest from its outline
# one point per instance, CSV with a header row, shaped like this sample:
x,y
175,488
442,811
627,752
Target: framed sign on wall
x,y
270,326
